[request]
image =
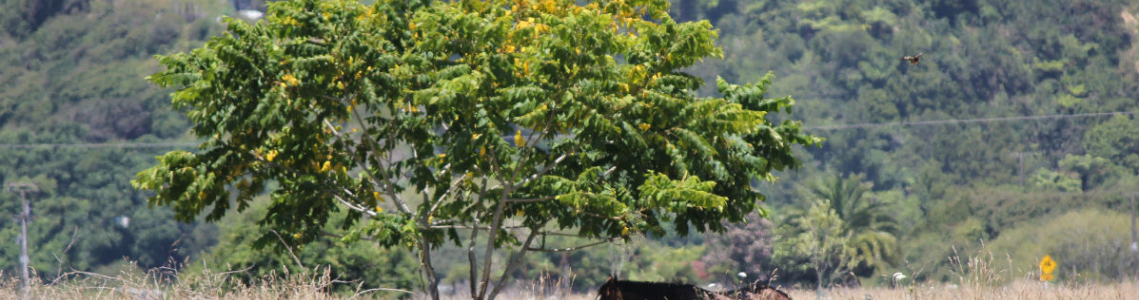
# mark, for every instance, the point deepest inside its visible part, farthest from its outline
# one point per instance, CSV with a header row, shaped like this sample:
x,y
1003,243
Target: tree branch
x,y
387,183
445,193
471,257
515,258
333,193
287,247
609,171
472,227
524,156
545,132
357,294
59,270
432,279
471,254
574,248
545,169
369,212
529,200
492,233
333,235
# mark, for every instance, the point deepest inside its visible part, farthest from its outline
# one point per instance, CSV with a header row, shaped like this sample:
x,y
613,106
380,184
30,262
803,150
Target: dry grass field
x,y
157,285
1022,290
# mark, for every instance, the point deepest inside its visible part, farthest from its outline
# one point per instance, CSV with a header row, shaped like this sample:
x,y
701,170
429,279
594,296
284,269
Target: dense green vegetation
x,y
72,72
958,183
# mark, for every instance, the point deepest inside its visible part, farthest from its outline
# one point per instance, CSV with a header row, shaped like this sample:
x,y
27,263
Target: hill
x,y
1017,128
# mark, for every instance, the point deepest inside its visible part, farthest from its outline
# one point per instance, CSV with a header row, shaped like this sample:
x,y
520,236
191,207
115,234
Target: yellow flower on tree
x,y
272,154
290,80
326,167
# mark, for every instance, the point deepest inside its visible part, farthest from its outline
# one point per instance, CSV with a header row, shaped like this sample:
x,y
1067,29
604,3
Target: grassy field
x,y
1016,291
158,285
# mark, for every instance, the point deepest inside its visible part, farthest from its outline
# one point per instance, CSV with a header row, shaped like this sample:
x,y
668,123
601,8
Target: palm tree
x,y
874,232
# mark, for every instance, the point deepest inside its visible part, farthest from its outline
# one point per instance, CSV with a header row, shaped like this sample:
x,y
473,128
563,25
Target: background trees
x,y
743,247
820,237
991,59
69,74
76,77
874,231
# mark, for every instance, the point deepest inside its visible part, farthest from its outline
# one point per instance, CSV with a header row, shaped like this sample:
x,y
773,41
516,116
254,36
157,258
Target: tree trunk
x,y
492,234
471,258
515,260
818,284
428,270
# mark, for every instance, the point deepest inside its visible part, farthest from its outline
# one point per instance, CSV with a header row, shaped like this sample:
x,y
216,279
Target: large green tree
x,y
487,123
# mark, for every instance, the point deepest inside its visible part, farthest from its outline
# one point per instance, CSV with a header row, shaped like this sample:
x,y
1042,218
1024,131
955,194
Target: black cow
x,y
614,289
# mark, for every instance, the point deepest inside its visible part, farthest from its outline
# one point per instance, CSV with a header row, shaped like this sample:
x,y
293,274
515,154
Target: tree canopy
x,y
429,121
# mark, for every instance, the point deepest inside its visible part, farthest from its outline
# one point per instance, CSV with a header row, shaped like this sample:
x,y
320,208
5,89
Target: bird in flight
x,y
913,59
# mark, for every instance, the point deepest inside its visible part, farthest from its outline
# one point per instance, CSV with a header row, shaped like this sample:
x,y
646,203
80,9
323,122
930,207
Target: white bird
x,y
899,276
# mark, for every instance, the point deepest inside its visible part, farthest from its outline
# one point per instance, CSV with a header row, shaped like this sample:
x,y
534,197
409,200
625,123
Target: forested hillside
x,y
72,91
1017,129
998,178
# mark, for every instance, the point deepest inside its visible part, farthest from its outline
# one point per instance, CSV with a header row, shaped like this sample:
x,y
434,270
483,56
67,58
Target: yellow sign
x,y
1047,265
1046,277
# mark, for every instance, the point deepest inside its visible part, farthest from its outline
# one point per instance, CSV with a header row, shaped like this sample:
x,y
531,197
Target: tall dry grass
x,y
983,275
316,285
980,276
1019,290
543,287
165,283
